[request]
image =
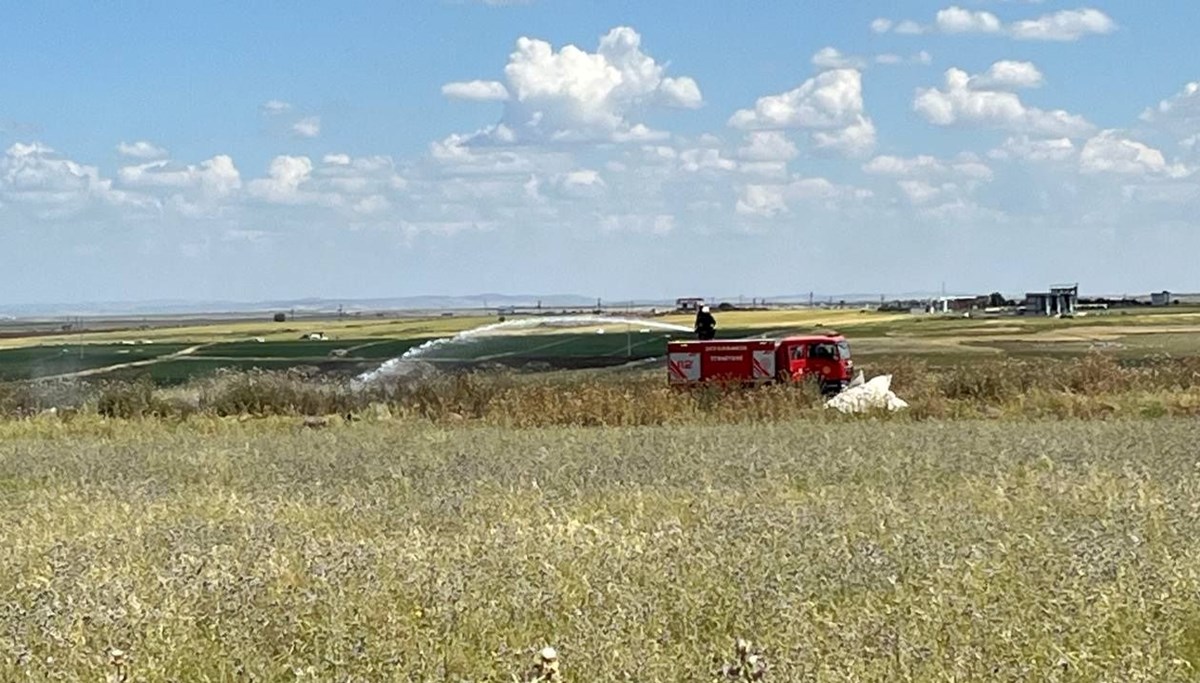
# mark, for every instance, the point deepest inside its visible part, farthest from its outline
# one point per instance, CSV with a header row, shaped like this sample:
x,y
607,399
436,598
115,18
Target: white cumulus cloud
x,y
36,175
275,107
771,145
1008,75
855,140
681,92
704,159
343,174
1111,152
571,95
958,20
761,200
285,176
922,58
829,104
216,177
923,192
958,103
361,185
1067,25
1178,114
141,150
307,127
1025,148
477,91
832,58
580,183
767,201
1063,26
455,156
829,100
925,165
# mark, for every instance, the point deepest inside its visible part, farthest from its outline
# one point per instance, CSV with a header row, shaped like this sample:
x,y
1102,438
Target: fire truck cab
x,y
824,358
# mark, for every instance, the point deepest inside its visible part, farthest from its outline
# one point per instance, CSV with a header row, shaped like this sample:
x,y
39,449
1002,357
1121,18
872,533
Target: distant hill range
x,y
309,305
491,301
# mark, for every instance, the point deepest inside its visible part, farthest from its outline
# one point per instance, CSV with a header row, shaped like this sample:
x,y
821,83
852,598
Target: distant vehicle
x,y
824,358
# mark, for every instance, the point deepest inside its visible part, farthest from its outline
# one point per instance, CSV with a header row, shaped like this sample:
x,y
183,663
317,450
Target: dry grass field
x,y
1031,516
394,550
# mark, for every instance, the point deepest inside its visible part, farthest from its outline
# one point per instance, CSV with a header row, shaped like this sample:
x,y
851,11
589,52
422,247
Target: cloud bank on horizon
x,y
931,148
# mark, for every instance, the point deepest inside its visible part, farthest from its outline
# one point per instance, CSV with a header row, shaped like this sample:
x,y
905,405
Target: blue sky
x,y
617,149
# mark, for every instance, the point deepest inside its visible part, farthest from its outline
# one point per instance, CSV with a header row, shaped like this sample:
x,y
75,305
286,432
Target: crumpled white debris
x,y
860,396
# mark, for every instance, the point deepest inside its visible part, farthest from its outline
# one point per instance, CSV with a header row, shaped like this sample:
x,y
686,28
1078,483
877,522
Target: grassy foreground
x,y
855,551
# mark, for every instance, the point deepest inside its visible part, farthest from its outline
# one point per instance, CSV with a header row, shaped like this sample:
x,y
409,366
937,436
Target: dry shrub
x,y
19,399
131,400
1101,374
449,397
590,404
1089,386
647,402
910,376
1093,386
989,382
261,393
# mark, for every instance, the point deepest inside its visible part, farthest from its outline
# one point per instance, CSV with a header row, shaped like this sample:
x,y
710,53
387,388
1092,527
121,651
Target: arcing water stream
x,y
399,366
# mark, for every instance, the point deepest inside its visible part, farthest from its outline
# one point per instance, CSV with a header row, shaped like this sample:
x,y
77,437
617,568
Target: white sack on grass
x,y
873,394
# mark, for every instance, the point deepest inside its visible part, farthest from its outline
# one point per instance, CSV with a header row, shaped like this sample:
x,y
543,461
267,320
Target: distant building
x,y
689,304
1060,300
1162,298
956,304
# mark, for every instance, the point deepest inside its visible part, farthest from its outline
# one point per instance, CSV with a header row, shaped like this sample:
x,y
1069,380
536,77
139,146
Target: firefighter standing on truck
x,y
706,324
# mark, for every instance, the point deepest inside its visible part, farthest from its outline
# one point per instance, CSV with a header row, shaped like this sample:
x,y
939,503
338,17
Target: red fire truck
x,y
825,358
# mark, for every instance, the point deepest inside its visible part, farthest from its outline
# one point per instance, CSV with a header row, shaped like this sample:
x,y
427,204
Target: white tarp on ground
x,y
862,396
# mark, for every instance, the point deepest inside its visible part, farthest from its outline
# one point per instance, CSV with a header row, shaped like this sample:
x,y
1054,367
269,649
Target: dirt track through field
x,y
91,372
978,343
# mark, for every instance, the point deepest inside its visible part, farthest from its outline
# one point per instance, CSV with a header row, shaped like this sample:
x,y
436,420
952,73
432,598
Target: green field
x,y
182,370
358,348
39,361
354,346
354,353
